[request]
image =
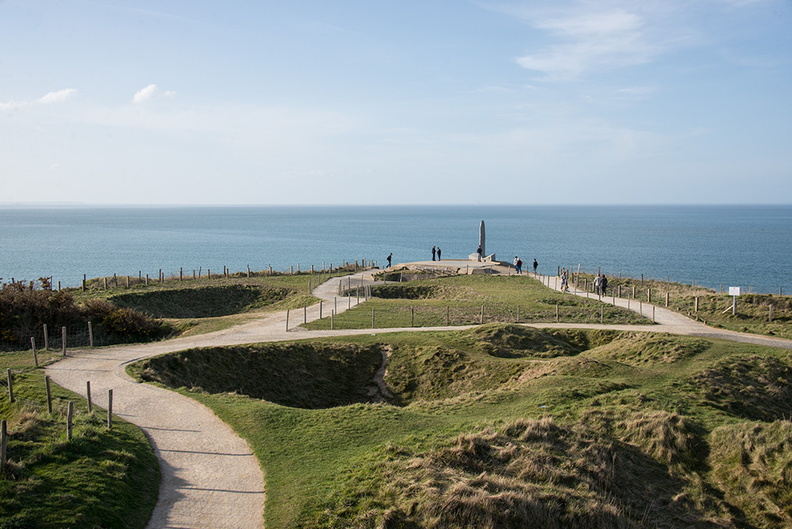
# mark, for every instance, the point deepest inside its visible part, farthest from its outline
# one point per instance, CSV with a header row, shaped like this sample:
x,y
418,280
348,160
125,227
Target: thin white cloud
x,y
58,96
150,92
591,41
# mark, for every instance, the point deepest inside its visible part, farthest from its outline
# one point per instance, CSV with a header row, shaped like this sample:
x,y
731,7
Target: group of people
x,y
600,283
518,264
436,253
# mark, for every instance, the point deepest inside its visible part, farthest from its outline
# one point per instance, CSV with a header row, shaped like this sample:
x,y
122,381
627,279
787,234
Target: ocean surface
x,y
713,246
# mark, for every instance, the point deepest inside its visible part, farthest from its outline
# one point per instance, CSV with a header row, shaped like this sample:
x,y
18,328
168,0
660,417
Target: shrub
x,y
24,310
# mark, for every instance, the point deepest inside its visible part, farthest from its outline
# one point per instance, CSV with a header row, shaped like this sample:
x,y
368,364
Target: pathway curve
x,y
210,477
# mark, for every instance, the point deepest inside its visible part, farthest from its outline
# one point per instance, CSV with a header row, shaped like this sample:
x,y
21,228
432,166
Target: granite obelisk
x,y
482,239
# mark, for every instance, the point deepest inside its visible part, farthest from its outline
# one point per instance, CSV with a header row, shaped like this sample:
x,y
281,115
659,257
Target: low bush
x,y
24,310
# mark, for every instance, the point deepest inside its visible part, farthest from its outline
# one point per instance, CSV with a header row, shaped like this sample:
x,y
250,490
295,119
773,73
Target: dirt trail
x,y
210,477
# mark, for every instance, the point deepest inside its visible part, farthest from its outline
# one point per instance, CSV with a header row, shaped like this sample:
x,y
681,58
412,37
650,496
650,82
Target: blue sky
x,y
409,102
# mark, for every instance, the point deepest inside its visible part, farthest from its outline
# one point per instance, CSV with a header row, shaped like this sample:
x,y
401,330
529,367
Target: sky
x,y
191,102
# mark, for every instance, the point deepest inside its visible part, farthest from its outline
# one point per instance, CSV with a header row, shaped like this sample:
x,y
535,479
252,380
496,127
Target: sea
x,y
713,246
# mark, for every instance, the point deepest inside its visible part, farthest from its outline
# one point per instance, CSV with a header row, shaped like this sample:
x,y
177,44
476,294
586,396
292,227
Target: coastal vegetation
x,y
144,312
766,314
506,426
101,478
471,300
24,310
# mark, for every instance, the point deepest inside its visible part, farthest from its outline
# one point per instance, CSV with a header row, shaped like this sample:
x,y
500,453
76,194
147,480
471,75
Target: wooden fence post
x,y
49,393
88,395
46,338
63,341
668,298
90,334
10,384
287,320
109,408
305,313
3,445
69,417
33,346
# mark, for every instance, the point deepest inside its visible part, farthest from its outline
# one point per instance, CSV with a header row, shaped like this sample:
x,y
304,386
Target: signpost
x,y
734,292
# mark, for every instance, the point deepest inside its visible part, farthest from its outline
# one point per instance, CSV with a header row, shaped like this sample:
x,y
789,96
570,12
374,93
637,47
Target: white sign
x,y
734,291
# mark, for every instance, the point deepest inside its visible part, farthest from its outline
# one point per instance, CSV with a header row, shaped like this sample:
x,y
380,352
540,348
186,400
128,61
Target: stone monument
x,y
482,239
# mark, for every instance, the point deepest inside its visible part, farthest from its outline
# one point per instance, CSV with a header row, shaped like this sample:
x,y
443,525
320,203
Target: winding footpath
x,y
210,477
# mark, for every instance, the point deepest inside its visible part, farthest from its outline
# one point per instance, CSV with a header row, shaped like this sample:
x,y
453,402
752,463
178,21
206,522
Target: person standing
x,y
478,253
514,262
390,257
597,284
438,254
564,285
603,284
434,252
535,265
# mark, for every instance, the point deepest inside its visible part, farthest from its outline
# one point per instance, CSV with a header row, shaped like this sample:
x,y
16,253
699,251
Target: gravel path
x,y
210,477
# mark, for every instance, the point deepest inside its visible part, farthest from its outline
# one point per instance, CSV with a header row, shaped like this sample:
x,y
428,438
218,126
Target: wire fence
x,y
57,338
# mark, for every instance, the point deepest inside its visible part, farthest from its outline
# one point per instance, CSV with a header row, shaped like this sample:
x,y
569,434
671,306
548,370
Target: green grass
x,y
470,300
100,479
753,310
199,306
506,426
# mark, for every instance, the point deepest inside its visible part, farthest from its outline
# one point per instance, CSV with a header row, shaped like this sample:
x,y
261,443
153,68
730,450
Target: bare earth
x,y
210,477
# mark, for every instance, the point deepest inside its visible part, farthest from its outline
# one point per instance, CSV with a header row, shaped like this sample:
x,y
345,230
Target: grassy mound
x,y
297,375
514,341
405,291
749,386
647,349
203,302
752,463
530,473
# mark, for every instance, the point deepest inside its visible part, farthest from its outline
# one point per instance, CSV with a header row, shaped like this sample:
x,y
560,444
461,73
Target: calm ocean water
x,y
746,246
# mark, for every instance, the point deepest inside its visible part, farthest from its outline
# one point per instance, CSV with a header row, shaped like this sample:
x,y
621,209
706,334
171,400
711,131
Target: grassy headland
x,y
507,426
471,299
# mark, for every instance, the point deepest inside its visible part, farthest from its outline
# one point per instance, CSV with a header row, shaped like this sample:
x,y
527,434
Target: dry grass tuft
x,y
667,437
536,473
753,387
752,463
